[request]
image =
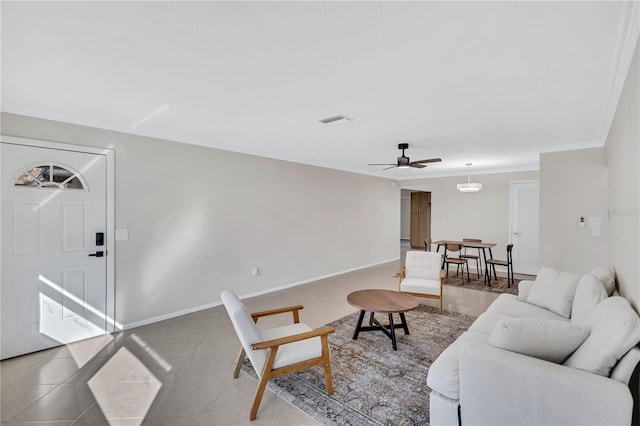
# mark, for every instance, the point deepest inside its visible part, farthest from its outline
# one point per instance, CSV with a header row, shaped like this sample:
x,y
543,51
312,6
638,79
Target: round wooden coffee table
x,y
386,302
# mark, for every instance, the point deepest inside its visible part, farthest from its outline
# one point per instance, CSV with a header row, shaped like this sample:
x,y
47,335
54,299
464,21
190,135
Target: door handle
x,y
98,254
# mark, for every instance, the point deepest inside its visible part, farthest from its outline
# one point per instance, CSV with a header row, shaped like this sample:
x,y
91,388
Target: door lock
x,y
98,254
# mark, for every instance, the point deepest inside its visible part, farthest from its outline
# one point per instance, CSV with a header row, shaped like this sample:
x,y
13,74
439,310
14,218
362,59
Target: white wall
x,y
623,156
484,215
199,219
573,184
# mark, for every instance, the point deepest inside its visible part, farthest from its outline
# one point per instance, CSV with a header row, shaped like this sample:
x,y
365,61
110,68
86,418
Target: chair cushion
x,y
589,293
420,285
246,329
292,353
554,290
549,340
615,328
423,264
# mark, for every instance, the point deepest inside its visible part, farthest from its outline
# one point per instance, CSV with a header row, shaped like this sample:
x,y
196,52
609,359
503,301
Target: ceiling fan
x,y
404,162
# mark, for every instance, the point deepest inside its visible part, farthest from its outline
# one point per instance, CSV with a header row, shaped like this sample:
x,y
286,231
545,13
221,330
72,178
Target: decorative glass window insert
x,y
49,176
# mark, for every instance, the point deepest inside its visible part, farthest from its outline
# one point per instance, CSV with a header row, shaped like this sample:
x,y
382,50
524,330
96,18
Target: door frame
x,y
512,184
109,154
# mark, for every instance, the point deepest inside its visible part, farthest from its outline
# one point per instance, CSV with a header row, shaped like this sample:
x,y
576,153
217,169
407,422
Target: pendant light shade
x,y
469,186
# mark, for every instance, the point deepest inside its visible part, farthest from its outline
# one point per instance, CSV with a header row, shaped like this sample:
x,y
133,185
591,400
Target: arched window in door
x,y
50,175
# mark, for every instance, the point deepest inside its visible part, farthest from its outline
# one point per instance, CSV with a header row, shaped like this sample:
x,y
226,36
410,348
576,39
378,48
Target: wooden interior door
x,y
420,218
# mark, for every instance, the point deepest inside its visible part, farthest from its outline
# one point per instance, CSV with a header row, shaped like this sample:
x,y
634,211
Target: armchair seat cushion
x,y
295,352
421,285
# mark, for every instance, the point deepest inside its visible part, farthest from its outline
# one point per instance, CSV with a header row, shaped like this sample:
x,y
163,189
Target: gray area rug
x,y
373,384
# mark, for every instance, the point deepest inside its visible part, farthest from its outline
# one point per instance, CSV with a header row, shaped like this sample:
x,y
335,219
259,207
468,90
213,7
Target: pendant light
x,y
469,186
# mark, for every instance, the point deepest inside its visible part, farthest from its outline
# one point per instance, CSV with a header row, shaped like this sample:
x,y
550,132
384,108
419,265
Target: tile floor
x,y
179,371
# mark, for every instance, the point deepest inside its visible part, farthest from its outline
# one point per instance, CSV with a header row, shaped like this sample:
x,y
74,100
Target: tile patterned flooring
x,y
179,371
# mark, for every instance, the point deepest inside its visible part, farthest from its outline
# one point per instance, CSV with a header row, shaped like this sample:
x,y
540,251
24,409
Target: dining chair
x,y
422,275
491,263
469,256
427,244
277,351
451,248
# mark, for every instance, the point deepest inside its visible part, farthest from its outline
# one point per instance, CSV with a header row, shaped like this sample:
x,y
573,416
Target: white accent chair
x,y
422,275
278,351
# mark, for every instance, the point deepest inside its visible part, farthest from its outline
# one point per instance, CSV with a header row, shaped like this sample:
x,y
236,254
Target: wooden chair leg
x,y
257,399
326,364
327,378
238,366
262,383
440,304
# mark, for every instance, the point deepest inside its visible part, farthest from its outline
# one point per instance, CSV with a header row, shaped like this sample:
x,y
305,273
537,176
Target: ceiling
x,y
491,83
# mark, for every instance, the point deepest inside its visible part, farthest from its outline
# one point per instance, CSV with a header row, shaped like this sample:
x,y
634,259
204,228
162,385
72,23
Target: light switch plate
x,y
122,234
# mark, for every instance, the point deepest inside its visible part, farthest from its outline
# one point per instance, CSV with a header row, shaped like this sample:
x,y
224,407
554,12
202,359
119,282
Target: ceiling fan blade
x,y
394,166
430,160
382,164
417,166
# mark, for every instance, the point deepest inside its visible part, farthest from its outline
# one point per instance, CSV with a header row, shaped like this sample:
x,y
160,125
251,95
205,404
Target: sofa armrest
x,y
499,387
524,287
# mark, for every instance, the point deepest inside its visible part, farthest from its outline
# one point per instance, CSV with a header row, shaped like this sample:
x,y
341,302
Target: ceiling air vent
x,y
336,119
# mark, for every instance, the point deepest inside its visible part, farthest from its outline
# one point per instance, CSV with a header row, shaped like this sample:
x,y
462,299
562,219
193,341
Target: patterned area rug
x,y
373,384
497,286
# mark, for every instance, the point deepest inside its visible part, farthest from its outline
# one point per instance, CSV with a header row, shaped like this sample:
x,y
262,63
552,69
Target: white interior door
x,y
54,286
525,213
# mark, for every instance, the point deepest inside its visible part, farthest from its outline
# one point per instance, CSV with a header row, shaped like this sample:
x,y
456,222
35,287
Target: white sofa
x,y
562,352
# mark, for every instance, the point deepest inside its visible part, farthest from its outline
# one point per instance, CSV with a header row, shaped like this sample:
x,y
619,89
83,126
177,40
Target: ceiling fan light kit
x,y
469,186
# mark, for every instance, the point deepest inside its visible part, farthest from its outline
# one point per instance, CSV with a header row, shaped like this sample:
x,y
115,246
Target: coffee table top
x,y
384,301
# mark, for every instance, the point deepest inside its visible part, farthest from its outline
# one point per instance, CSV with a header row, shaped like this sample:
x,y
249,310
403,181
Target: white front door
x,y
54,278
525,213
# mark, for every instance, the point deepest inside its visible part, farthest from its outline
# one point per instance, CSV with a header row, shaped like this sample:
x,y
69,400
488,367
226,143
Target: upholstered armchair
x,y
277,351
422,275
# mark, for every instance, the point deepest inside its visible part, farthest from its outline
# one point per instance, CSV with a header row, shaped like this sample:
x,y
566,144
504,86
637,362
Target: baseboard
x,y
128,326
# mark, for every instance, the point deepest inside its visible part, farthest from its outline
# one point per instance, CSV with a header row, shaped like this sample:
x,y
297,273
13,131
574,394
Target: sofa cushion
x,y
589,293
508,304
615,328
444,373
605,275
554,290
524,287
550,340
487,321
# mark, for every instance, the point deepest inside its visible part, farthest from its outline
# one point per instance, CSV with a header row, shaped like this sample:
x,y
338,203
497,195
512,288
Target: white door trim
x,y
112,325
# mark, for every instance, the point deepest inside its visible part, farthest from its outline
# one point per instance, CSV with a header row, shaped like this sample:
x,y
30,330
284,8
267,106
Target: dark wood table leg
x,y
393,332
355,333
404,323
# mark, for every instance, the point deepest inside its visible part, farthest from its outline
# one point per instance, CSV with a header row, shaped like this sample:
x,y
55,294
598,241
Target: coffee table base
x,y
388,329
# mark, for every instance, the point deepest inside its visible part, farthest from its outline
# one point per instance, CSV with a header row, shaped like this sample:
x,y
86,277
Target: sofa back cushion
x,y
615,328
551,340
605,275
554,290
589,293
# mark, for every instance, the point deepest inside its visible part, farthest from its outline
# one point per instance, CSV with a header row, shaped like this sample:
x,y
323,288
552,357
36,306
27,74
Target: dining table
x,y
469,244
